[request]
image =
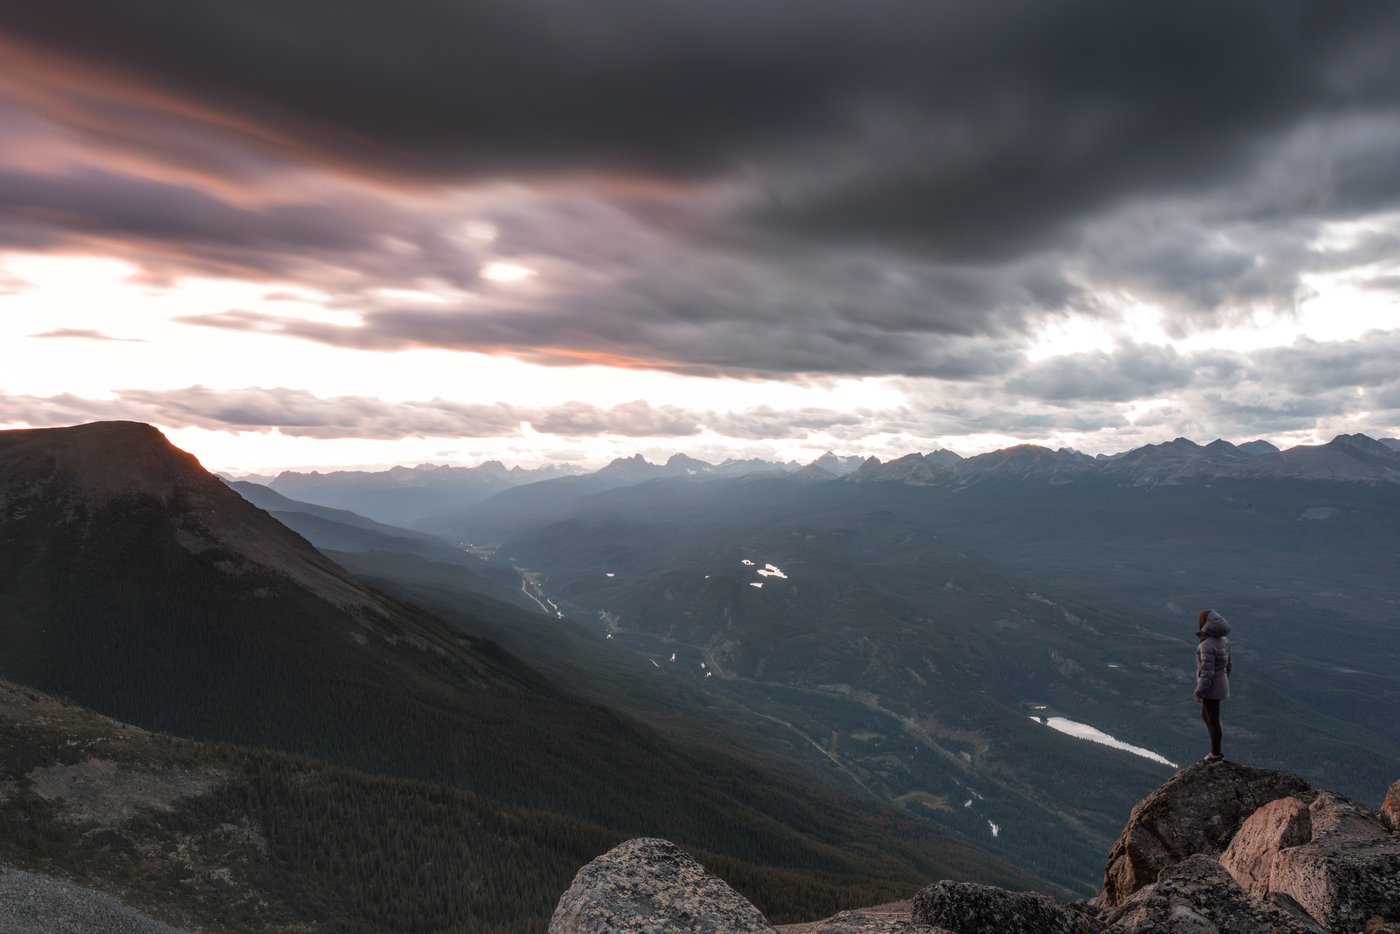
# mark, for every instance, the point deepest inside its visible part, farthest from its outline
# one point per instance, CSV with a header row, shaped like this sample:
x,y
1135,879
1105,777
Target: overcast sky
x,y
342,232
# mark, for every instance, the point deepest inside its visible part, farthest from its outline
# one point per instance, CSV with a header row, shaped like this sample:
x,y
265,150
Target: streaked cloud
x,y
85,334
298,413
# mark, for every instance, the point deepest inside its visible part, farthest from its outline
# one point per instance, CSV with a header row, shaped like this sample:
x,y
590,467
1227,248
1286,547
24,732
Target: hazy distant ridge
x,y
1346,457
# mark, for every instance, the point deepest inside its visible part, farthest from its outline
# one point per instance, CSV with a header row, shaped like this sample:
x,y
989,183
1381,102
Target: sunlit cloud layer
x,y
874,226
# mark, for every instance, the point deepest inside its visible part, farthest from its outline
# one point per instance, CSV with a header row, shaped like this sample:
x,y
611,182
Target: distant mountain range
x,y
403,493
421,496
1346,457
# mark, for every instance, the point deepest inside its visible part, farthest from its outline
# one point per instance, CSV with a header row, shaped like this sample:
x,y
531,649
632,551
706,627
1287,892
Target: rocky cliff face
x,y
1219,849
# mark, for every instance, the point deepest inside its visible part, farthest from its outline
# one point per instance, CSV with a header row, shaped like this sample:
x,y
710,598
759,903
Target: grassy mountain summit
x,y
139,585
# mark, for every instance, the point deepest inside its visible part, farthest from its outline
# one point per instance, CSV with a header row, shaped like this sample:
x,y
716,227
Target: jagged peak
x,y
943,456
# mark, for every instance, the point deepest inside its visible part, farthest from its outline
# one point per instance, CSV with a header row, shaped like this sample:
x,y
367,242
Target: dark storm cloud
x,y
1309,367
102,204
1205,272
632,336
1307,385
1307,376
612,290
1130,372
976,127
187,229
756,189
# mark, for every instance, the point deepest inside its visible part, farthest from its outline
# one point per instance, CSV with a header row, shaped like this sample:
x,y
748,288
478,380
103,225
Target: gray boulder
x,y
652,886
1197,896
1348,874
968,908
1198,810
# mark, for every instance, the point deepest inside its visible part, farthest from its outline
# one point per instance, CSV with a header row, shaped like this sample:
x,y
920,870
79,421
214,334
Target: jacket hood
x,y
1215,626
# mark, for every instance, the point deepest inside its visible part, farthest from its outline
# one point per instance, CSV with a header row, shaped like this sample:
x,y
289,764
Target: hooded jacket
x,y
1213,658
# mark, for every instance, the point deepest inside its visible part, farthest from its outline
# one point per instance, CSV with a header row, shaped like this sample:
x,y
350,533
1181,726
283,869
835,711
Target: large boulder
x,y
652,886
1276,826
1390,809
1197,811
968,908
1348,874
1197,896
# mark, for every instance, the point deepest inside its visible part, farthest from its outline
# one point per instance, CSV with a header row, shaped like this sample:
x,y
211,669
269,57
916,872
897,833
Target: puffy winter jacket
x,y
1213,658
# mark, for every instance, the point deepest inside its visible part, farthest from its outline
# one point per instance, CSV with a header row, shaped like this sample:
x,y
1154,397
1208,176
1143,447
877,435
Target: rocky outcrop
x,y
1276,826
1197,895
968,908
652,886
1390,809
1348,873
1197,811
1218,849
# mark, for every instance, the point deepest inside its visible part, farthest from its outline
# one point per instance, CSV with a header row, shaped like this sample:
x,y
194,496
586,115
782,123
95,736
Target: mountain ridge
x,y
1352,457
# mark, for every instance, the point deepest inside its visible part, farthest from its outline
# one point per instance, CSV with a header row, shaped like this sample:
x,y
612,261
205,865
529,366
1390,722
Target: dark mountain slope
x,y
344,531
138,584
221,838
532,502
265,497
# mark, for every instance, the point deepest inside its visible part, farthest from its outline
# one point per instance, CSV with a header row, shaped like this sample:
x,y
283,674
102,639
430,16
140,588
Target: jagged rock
x,y
968,908
1276,826
1337,817
1197,896
1349,873
893,918
652,886
1197,811
1390,809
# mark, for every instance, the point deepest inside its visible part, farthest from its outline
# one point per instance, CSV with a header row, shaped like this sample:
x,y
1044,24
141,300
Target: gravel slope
x,y
33,904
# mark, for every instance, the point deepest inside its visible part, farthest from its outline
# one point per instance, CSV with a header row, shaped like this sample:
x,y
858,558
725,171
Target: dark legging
x,y
1210,713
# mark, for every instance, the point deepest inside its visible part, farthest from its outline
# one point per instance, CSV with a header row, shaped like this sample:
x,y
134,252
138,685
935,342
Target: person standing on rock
x,y
1212,674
